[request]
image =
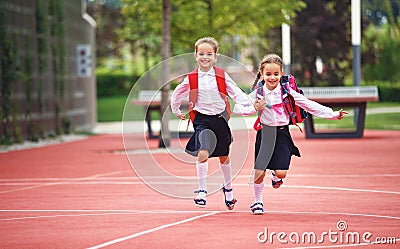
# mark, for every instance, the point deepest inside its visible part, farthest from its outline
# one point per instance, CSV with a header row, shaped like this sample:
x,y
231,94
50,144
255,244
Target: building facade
x,y
48,84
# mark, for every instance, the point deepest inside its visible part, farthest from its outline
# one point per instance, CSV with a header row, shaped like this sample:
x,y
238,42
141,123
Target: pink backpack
x,y
296,113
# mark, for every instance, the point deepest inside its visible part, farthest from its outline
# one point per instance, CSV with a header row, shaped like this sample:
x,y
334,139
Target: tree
x,y
191,20
381,45
109,20
380,12
165,135
143,29
322,30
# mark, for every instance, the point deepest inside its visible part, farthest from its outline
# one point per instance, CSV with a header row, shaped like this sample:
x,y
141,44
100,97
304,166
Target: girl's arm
x,y
180,93
249,109
316,108
244,104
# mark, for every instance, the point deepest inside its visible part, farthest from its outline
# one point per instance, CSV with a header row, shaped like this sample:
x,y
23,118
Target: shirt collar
x,y
210,72
276,90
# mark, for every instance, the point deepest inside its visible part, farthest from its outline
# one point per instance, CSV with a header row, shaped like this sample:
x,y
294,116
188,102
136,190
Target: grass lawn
x,y
111,109
384,121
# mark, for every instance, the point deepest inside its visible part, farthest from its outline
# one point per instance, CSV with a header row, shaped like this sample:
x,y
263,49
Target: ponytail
x,y
256,81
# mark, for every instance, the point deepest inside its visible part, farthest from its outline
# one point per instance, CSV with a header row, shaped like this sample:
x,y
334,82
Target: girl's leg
x,y
257,207
258,185
259,176
226,168
280,173
202,168
277,176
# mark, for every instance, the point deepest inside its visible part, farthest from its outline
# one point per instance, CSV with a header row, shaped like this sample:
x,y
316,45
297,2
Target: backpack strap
x,y
259,94
288,102
194,86
220,77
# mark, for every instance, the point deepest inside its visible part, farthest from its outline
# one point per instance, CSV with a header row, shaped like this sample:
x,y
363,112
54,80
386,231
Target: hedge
x,y
389,93
111,83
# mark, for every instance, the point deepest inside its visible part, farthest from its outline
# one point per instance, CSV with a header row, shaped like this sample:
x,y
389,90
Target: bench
x,y
151,101
355,97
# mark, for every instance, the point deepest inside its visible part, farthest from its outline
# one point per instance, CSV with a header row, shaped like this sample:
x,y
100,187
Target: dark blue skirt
x,y
274,148
212,133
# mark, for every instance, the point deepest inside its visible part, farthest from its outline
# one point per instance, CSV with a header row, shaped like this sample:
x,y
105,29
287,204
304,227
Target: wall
x,y
46,93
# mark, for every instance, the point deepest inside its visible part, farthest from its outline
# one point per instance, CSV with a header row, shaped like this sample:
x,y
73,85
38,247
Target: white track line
x,y
39,185
207,213
344,189
83,181
105,212
62,215
33,179
118,240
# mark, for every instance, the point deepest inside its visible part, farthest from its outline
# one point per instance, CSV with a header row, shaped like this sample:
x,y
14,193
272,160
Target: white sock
x,y
202,169
227,172
258,192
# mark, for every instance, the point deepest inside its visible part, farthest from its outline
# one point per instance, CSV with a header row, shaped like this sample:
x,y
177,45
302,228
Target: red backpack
x,y
194,85
296,113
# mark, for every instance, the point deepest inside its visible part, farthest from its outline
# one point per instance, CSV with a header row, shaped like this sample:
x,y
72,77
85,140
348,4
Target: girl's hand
x,y
341,114
259,104
182,116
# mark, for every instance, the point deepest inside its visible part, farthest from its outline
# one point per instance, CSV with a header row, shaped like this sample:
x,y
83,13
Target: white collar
x,y
202,73
276,90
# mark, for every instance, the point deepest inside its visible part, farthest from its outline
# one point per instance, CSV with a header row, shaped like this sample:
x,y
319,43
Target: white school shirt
x,y
209,100
279,117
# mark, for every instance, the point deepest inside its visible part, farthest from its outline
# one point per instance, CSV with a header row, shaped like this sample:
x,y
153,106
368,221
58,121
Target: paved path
x,y
236,123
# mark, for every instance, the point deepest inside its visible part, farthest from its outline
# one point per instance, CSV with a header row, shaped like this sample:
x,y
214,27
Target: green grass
x,y
111,109
381,121
384,121
382,104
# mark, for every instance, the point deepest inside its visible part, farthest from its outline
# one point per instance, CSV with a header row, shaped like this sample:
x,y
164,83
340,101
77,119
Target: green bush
x,y
389,93
383,45
110,83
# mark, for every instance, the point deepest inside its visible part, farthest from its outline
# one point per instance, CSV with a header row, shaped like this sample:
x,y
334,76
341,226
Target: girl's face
x,y
205,56
272,74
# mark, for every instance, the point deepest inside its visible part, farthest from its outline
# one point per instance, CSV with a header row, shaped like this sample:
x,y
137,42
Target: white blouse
x,y
209,100
277,116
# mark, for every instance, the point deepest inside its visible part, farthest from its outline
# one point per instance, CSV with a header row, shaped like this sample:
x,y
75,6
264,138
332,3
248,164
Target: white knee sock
x,y
227,172
202,169
258,192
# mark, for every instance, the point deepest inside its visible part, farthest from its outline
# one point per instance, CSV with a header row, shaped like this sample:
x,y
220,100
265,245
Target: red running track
x,y
84,194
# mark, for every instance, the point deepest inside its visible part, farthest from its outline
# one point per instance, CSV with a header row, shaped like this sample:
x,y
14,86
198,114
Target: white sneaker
x,y
257,208
200,200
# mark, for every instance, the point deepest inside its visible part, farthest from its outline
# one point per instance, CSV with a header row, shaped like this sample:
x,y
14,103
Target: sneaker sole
x,y
258,212
231,206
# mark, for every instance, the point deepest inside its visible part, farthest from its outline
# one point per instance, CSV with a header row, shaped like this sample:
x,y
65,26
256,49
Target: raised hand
x,y
342,113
